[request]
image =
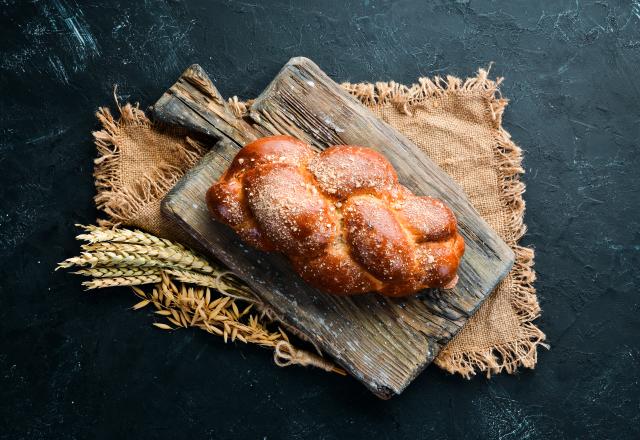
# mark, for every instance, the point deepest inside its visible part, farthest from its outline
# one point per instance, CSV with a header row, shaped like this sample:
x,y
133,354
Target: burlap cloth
x,y
458,124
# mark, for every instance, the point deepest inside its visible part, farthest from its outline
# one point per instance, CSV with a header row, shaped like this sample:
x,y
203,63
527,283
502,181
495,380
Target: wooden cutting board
x,y
383,342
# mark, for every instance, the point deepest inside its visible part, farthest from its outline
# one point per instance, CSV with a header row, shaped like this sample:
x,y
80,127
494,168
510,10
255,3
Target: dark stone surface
x,y
79,365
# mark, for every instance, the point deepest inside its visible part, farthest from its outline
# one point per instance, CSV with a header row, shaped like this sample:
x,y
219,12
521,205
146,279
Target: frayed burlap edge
x,y
522,352
402,97
121,203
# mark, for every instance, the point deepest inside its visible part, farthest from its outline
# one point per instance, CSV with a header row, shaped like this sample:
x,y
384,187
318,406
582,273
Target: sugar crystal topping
x,y
342,217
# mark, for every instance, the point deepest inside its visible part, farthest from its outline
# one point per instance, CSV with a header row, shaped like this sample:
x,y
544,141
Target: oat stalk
x,y
189,306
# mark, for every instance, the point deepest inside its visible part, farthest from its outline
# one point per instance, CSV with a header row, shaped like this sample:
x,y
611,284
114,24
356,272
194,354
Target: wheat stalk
x,y
99,283
112,272
129,259
170,255
110,259
196,278
97,234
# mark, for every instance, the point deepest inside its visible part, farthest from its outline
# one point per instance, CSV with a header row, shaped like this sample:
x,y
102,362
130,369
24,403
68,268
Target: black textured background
x,y
80,365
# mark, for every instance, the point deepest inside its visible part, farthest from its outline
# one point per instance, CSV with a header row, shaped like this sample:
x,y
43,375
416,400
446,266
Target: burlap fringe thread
x,y
504,357
120,204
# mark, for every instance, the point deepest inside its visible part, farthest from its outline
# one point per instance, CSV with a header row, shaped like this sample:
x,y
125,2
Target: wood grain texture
x,y
381,341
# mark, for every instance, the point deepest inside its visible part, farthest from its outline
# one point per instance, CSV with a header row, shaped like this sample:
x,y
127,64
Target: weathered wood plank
x,y
383,342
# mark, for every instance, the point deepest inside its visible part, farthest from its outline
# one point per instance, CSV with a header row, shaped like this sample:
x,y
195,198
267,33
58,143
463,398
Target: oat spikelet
x,y
195,307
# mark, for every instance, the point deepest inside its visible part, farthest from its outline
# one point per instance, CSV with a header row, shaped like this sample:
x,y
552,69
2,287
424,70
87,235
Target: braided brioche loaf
x,y
340,216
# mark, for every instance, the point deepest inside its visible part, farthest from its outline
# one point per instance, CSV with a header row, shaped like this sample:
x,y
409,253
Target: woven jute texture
x,y
457,123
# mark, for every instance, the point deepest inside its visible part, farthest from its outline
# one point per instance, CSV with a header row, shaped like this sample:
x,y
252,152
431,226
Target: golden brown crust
x,y
377,240
342,170
340,216
292,213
